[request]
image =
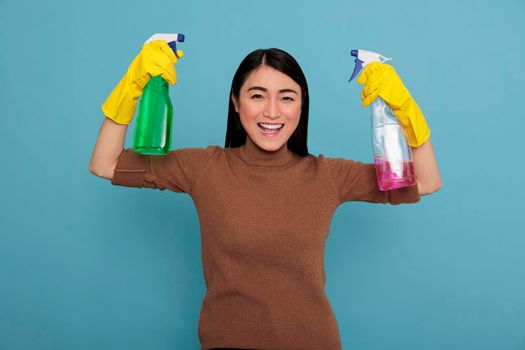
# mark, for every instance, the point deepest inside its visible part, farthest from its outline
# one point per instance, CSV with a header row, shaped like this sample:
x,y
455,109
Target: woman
x,y
264,203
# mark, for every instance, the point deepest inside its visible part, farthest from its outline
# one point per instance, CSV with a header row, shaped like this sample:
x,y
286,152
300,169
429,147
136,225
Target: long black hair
x,y
284,63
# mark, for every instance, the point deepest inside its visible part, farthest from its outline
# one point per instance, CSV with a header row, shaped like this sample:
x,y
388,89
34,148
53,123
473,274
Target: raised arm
x,y
155,58
109,145
383,81
426,168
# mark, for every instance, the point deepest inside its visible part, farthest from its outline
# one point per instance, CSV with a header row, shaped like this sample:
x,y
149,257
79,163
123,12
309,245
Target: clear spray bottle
x,y
392,155
152,134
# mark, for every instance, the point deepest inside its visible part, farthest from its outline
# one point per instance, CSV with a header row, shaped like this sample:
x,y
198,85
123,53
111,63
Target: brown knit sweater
x,y
264,219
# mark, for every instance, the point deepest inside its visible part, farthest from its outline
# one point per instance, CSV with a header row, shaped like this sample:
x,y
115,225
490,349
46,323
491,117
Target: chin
x,y
270,146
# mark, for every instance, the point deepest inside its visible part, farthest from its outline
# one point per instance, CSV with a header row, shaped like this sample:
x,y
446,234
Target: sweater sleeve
x,y
176,171
357,181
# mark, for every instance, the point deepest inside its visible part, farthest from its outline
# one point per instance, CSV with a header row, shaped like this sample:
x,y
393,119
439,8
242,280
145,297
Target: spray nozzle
x,y
171,39
363,58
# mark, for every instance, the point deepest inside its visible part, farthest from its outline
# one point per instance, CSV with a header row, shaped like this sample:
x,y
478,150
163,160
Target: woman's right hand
x,y
155,58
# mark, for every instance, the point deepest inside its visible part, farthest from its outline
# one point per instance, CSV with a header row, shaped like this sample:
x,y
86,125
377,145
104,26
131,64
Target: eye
x,y
288,98
256,96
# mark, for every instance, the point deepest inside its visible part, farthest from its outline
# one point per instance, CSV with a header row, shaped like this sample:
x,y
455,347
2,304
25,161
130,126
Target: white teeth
x,y
271,126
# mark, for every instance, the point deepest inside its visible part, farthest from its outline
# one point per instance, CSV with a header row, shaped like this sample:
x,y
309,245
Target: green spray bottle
x,y
152,134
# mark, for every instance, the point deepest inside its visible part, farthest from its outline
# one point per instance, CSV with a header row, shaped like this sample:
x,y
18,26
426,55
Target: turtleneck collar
x,y
252,154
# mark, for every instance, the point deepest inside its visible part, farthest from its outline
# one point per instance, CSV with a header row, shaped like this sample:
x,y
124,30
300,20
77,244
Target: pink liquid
x,y
388,180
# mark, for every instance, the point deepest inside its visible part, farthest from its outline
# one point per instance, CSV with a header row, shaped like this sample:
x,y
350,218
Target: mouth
x,y
270,128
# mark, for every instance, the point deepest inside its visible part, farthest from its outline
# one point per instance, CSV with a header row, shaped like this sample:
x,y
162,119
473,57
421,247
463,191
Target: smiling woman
x,y
268,113
269,88
265,283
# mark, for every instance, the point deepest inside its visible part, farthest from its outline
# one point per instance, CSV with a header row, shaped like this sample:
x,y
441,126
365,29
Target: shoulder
x,y
341,168
332,162
198,153
323,164
187,157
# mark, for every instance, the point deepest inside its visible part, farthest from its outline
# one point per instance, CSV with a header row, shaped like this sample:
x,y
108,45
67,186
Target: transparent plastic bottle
x,y
152,134
392,155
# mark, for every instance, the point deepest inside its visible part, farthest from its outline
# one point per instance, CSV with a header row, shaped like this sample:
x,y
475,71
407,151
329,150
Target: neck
x,y
252,154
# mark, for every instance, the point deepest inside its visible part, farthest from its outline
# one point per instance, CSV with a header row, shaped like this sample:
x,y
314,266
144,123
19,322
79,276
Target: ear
x,y
235,102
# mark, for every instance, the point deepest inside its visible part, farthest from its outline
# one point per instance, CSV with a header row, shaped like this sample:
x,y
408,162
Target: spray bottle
x,y
152,134
392,155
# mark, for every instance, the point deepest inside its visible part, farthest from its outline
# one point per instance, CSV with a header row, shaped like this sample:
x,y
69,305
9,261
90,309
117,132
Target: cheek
x,y
249,110
293,112
247,114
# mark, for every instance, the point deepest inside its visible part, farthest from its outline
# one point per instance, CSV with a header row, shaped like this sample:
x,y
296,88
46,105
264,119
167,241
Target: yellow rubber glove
x,y
382,81
155,58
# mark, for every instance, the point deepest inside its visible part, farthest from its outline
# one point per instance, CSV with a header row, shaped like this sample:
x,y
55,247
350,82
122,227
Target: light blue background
x,y
87,265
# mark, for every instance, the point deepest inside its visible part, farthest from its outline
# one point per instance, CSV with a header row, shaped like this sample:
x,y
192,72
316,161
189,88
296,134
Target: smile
x,y
271,127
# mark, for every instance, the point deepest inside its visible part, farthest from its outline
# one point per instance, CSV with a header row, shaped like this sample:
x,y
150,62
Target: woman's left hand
x,y
383,81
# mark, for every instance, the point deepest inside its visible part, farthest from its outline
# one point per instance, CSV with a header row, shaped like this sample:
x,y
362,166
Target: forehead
x,y
269,78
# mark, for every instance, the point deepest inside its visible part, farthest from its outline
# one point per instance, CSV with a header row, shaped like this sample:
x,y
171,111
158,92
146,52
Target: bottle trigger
x,y
173,45
357,68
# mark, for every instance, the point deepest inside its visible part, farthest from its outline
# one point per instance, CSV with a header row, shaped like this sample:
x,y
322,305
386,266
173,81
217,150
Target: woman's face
x,y
269,98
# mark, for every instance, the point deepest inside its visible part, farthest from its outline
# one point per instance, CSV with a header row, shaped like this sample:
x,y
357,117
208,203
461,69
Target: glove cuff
x,y
416,128
120,104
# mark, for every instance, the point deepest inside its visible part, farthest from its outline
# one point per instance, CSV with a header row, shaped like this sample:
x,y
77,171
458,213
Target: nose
x,y
271,109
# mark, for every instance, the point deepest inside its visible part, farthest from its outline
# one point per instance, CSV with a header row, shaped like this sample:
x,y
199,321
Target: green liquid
x,y
152,134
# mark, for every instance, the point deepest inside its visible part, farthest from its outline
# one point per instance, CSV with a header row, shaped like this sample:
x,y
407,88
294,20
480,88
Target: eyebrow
x,y
266,90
